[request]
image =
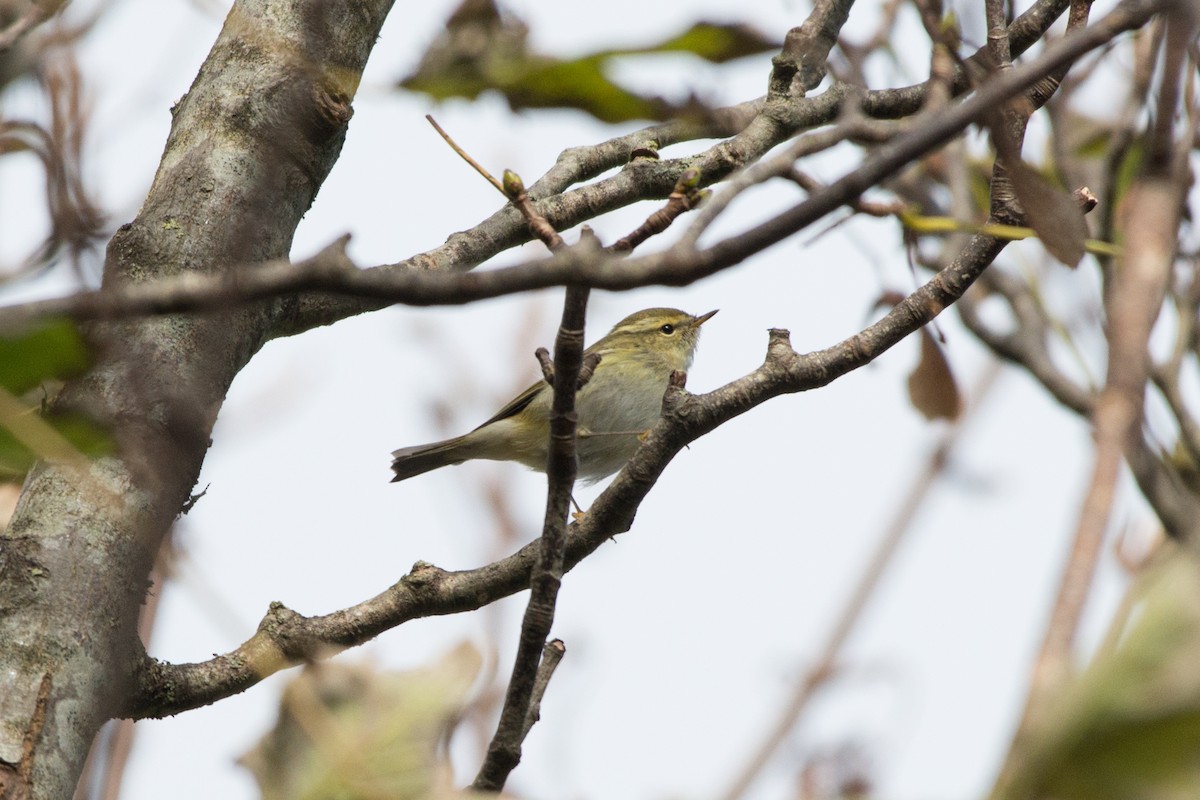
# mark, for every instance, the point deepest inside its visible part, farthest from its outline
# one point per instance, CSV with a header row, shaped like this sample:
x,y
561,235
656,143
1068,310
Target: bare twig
x,y
590,362
753,131
335,274
997,35
552,655
868,207
684,197
536,659
514,189
464,155
854,126
418,286
806,47
285,638
504,751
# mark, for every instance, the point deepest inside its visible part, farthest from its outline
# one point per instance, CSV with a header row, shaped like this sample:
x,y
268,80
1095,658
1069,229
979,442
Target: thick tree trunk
x,y
250,145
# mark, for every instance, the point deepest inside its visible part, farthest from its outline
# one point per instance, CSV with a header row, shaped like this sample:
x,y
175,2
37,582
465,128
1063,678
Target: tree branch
x,y
505,229
752,136
250,144
285,638
504,751
332,272
552,655
806,48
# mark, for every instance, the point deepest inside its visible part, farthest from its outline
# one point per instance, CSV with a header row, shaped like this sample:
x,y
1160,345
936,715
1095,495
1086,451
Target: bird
x,y
620,402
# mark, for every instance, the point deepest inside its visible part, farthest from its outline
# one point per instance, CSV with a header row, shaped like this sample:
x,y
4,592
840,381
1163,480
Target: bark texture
x,y
250,145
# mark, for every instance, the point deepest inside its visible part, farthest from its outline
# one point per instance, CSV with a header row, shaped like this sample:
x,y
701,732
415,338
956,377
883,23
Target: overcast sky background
x,y
684,636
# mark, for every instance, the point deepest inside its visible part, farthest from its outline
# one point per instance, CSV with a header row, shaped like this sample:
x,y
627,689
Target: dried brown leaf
x,y
931,386
1052,212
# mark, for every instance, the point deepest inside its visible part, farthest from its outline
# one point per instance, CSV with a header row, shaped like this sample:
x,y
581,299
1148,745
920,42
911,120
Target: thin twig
x,y
514,189
806,49
464,155
853,126
504,751
552,655
285,638
590,362
333,272
1133,307
683,198
997,36
870,208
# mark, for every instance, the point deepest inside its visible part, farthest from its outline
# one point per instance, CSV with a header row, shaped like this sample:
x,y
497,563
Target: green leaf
x,y
42,356
713,42
485,50
54,350
1129,727
580,84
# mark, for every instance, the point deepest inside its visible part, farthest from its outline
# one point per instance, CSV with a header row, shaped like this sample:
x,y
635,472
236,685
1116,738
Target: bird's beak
x,y
700,320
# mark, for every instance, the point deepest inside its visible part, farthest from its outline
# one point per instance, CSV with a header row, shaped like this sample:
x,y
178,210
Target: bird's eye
x,y
668,329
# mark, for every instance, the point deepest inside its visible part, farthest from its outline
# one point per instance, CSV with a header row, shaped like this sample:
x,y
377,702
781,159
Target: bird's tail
x,y
410,461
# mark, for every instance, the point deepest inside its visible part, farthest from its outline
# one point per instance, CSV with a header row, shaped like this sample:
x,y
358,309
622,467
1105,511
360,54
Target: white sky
x,y
685,635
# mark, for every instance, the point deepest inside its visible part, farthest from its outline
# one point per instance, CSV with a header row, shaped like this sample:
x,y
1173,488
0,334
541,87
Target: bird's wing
x,y
517,404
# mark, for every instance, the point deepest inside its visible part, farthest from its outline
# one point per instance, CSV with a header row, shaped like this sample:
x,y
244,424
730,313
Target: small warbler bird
x,y
622,400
